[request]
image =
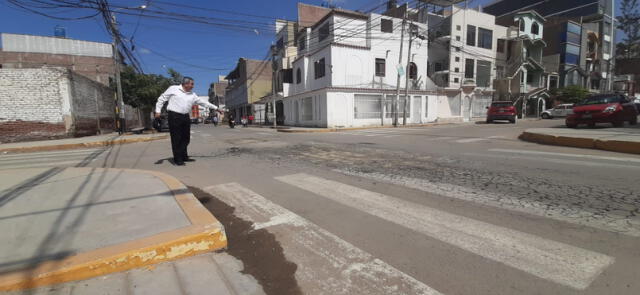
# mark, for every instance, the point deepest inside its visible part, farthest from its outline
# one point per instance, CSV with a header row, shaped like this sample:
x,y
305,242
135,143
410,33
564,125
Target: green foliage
x,y
628,23
572,93
143,90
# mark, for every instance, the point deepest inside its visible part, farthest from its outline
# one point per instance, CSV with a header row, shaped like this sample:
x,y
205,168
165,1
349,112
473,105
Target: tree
x,y
174,76
573,93
142,90
628,23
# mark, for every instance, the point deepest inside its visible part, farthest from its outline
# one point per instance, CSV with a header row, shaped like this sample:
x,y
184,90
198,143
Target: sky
x,y
202,51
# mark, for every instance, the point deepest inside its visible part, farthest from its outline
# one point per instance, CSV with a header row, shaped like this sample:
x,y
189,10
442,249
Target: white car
x,y
561,110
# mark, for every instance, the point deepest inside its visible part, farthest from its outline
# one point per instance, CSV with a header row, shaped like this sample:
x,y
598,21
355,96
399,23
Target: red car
x,y
501,110
603,108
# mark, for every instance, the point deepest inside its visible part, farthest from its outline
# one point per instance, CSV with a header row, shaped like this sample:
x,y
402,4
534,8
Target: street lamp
x,y
116,57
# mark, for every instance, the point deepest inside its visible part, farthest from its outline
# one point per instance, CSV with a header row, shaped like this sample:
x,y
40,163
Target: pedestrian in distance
x,y
232,121
181,98
215,121
244,121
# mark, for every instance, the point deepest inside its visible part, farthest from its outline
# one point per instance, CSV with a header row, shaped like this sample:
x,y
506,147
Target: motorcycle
x,y
232,123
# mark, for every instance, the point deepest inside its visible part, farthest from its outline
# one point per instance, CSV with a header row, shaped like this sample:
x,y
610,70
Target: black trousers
x,y
180,130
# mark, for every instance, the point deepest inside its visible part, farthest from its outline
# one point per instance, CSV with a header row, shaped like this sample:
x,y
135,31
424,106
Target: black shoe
x,y
180,164
189,160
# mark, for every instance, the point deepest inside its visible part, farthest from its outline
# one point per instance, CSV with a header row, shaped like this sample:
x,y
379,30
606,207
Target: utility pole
x,y
395,100
116,58
407,70
273,91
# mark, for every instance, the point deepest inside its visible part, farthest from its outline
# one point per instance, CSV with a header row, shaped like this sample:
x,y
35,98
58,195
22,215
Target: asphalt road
x,y
451,209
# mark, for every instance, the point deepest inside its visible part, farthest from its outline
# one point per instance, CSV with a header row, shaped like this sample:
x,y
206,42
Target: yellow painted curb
x,y
618,146
69,146
205,234
629,147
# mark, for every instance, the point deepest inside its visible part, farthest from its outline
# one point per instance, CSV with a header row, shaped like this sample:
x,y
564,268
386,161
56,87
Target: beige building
x,y
248,82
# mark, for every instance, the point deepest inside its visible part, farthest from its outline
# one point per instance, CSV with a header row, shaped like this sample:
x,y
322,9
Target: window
x,y
438,67
606,47
367,106
280,43
571,54
521,21
388,106
535,28
298,76
456,80
457,58
468,68
386,25
529,78
499,72
457,38
484,73
413,71
302,43
318,68
323,32
457,70
501,43
307,109
287,76
380,67
485,38
458,28
471,35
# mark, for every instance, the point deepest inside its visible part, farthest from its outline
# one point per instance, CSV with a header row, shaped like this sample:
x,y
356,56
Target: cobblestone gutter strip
x,y
629,147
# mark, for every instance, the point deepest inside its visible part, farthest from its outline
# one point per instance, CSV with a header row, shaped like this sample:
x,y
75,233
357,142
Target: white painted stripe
x,y
469,140
622,159
613,223
561,263
558,161
326,264
441,138
389,136
46,164
50,154
497,137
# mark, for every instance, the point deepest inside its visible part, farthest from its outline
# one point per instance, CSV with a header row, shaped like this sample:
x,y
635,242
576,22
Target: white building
x,y
464,53
345,73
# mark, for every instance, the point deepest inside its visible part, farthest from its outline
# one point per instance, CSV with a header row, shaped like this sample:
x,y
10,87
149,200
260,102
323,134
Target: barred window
x,y
307,109
388,107
366,106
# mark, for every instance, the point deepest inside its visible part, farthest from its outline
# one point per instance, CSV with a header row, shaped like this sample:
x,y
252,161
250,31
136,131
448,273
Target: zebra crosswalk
x,y
327,263
65,158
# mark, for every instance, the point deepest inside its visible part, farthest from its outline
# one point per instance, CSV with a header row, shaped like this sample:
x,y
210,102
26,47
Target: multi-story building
x,y
580,38
217,91
93,60
521,75
248,82
463,52
345,73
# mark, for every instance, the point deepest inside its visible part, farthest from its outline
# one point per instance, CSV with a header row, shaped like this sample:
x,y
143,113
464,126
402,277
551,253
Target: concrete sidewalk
x,y
67,224
79,142
623,140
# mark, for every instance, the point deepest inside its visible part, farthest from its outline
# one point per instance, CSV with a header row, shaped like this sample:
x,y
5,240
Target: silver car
x,y
561,110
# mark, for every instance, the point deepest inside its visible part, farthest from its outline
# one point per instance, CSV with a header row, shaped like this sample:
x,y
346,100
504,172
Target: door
x,y
416,116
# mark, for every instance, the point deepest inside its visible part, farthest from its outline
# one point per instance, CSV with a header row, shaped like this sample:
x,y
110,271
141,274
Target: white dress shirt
x,y
181,101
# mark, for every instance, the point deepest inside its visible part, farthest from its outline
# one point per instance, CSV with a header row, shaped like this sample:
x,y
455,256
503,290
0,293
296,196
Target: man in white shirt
x,y
181,98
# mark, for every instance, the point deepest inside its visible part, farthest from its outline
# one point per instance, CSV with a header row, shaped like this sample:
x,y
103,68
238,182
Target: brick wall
x,y
98,69
52,103
93,106
31,104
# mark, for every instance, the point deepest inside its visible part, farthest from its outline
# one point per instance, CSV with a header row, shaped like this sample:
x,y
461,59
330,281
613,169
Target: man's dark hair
x,y
186,80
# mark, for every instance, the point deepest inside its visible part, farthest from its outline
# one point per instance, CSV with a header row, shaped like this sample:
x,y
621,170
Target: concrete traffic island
x,y
622,140
79,142
67,224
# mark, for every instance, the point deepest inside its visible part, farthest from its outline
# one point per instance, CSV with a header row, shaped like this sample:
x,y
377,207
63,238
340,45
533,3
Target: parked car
x,y
501,110
603,108
561,110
